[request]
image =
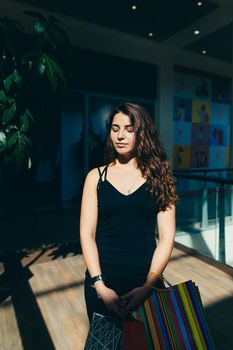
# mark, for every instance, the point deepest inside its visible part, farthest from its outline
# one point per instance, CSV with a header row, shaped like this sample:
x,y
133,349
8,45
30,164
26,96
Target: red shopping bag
x,y
134,335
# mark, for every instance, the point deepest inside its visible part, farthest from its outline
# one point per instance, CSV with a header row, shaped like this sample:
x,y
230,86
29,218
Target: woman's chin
x,y
124,153
122,150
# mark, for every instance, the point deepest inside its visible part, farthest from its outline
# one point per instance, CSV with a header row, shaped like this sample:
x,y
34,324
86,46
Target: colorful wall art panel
x,y
217,157
182,109
218,135
221,90
220,113
200,134
191,86
181,157
201,111
201,119
200,156
182,133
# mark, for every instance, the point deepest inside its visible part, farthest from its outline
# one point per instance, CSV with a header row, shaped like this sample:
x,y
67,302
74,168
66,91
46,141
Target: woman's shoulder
x,y
101,168
94,174
91,179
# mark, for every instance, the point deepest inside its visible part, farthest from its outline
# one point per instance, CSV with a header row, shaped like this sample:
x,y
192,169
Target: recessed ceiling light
x,y
151,34
204,52
196,32
134,7
199,3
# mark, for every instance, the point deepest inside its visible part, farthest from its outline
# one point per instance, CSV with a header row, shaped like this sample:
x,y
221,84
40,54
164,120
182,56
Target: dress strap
x,y
99,172
104,172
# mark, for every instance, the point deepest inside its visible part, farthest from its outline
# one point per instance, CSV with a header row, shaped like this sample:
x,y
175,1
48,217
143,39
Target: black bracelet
x,y
97,278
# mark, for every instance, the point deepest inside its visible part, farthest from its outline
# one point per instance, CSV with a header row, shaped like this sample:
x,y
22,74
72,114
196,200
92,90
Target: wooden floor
x,y
42,304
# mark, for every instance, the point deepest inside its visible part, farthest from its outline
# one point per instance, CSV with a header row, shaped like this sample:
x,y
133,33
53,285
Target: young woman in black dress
x,y
121,204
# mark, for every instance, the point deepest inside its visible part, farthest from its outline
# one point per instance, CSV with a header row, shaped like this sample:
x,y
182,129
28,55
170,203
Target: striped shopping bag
x,y
174,319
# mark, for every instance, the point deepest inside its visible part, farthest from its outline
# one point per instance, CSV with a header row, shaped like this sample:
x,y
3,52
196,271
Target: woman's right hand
x,y
109,297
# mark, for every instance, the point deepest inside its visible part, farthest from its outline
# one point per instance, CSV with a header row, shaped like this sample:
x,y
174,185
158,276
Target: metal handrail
x,y
202,170
207,178
220,200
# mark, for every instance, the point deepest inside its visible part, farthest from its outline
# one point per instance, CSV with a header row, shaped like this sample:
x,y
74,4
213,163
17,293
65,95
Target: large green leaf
x,y
15,76
29,163
9,113
18,143
12,139
26,140
16,136
20,150
8,82
60,72
25,119
11,128
50,69
3,142
40,63
53,70
3,97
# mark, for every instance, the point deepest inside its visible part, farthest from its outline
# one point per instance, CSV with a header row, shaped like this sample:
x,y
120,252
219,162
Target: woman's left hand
x,y
133,299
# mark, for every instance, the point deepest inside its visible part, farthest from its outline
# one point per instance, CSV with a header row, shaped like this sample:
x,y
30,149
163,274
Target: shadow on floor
x,y
219,318
14,283
31,325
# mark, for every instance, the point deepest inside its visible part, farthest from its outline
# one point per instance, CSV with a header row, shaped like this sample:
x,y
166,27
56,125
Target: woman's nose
x,y
121,134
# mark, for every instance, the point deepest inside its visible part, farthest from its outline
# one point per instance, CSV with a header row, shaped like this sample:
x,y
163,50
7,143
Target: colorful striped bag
x,y
174,318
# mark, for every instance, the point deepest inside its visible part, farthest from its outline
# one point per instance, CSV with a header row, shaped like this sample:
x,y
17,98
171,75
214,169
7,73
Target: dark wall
x,y
108,74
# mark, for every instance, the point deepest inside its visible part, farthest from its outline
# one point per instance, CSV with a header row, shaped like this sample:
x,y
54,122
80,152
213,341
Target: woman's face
x,y
122,134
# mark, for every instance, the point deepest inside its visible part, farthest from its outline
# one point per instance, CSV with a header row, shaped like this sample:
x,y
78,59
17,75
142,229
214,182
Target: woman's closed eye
x,y
128,128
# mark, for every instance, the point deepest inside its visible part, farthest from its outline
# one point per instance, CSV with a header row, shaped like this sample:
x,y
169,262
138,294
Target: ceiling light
x,y
151,34
199,3
134,7
196,32
204,52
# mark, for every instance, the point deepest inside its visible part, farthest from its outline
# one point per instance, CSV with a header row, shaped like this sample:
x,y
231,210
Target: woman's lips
x,y
121,145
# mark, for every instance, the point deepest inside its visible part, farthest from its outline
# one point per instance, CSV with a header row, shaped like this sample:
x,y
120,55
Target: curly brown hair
x,y
149,152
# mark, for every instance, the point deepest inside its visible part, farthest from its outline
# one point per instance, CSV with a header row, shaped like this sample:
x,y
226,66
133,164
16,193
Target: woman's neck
x,y
122,162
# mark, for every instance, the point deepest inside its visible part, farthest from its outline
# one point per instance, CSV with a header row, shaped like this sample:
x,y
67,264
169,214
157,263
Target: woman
x,y
120,206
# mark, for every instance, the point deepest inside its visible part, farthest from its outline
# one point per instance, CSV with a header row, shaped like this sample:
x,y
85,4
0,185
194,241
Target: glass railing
x,y
205,212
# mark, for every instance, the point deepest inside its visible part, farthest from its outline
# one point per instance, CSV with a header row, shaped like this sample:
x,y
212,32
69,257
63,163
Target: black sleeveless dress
x,y
125,238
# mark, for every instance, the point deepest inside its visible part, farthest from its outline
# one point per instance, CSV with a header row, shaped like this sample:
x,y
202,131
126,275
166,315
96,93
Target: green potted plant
x,y
32,69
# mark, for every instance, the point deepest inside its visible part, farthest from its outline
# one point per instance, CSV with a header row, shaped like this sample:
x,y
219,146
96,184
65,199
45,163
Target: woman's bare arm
x,y
88,224
161,256
166,228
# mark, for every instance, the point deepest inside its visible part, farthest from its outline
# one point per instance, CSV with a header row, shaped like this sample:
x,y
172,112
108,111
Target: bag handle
x,y
162,278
